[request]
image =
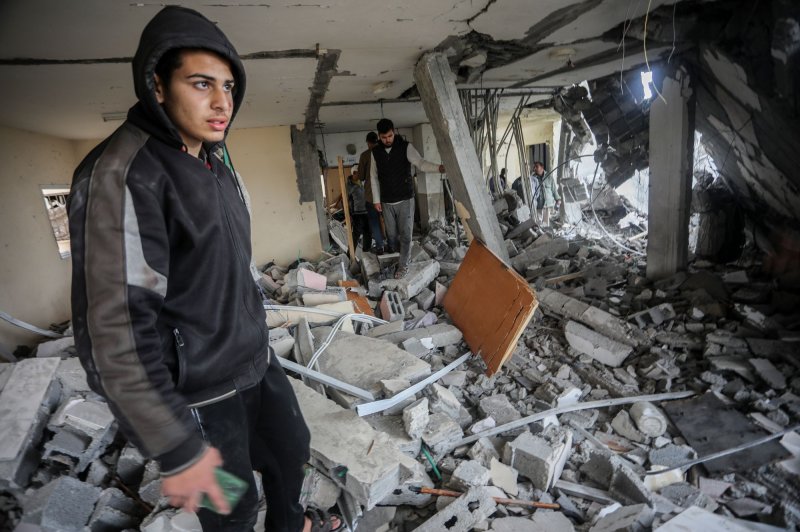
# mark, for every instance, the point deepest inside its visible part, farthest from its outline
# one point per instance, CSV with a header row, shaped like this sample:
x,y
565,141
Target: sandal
x,y
401,272
322,521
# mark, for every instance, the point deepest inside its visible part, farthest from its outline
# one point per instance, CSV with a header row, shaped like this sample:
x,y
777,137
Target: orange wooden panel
x,y
360,302
491,304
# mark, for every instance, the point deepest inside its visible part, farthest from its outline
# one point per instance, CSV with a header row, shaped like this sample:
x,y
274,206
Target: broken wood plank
x,y
491,304
351,249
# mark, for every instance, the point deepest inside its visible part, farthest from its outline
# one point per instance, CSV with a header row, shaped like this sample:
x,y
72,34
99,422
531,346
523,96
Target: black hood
x,y
176,27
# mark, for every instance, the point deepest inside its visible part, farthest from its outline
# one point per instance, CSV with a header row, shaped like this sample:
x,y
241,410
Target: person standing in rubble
x,y
393,188
168,321
364,167
358,210
547,196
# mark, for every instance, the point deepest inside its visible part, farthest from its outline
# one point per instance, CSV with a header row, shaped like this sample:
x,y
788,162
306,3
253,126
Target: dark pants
x,y
375,225
361,227
259,429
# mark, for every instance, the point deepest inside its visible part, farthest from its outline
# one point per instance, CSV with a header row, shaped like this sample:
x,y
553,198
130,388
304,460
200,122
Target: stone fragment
x,y
114,511
463,513
767,371
504,477
130,465
416,417
636,518
318,490
599,347
442,400
654,316
62,505
499,408
469,474
484,452
441,433
623,425
538,253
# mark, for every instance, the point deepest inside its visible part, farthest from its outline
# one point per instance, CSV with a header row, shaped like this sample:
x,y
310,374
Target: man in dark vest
x,y
393,188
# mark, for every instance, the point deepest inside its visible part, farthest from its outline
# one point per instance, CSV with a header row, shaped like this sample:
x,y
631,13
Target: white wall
x,y
36,281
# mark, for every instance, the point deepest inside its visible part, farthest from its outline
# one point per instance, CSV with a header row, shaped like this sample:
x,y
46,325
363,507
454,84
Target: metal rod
x,y
383,404
326,380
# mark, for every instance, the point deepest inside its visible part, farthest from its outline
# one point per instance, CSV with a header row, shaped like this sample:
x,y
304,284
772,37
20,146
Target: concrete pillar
x,y
671,162
430,194
308,171
437,88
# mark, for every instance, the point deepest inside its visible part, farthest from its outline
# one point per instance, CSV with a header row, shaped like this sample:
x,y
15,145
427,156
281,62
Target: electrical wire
x,y
363,318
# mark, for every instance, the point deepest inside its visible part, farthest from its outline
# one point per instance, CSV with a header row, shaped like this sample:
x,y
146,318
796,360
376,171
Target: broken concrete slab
x,y
340,438
463,513
364,362
601,348
538,253
499,408
25,405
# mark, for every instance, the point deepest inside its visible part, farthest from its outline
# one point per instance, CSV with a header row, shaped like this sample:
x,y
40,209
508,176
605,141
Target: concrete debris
x,y
602,330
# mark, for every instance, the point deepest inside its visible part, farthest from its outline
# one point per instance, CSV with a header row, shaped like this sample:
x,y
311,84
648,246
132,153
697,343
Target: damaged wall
x,y
35,283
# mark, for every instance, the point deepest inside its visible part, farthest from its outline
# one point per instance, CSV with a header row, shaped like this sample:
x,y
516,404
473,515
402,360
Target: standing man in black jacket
x,y
393,188
168,321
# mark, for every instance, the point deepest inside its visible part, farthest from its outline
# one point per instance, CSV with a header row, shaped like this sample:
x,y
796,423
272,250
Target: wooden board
x,y
346,206
360,302
491,304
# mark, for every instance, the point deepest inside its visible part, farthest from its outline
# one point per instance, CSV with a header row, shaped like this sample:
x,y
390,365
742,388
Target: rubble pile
x,y
409,434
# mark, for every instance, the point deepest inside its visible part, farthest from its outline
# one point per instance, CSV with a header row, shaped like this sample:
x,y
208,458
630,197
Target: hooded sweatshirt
x,y
165,311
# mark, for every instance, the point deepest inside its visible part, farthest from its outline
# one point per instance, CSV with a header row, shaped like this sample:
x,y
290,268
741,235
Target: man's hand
x,y
378,207
187,487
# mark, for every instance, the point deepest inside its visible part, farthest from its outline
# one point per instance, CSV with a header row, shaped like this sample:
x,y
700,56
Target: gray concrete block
x,y
538,253
25,405
623,425
463,513
318,490
540,458
420,275
442,400
130,465
385,328
150,488
114,511
499,408
484,452
391,307
441,433
392,431
425,298
416,417
442,334
599,347
636,518
63,505
469,474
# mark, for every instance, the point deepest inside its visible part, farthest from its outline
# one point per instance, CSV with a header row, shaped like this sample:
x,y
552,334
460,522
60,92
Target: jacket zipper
x,y
179,343
236,247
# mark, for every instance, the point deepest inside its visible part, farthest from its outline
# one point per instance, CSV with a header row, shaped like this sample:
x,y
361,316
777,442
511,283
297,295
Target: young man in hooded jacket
x,y
168,320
